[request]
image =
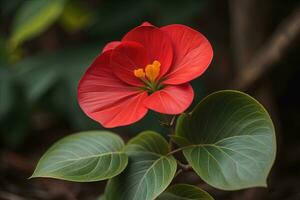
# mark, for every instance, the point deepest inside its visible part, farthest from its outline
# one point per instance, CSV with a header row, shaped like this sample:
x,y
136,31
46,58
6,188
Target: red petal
x,y
192,54
124,112
156,42
127,57
111,45
103,97
146,24
173,99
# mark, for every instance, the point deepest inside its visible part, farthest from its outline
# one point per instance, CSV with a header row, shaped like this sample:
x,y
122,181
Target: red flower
x,y
148,69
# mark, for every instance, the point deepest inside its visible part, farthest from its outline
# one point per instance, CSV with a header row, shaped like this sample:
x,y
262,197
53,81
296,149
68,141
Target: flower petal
x,y
146,24
127,57
192,54
173,99
126,111
111,45
156,42
107,99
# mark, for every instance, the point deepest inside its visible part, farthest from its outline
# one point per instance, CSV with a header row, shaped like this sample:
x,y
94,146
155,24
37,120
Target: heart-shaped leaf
x,y
149,172
84,157
184,192
229,140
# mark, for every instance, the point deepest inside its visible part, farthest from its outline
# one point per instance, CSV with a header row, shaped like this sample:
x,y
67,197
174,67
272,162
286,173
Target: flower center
x,y
152,71
149,74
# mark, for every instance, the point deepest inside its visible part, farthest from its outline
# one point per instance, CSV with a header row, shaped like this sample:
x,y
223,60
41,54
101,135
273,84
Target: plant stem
x,y
184,167
176,150
178,172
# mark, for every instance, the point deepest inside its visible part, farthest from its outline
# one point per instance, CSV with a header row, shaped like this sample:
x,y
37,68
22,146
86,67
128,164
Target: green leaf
x,y
232,140
34,17
149,172
184,192
84,157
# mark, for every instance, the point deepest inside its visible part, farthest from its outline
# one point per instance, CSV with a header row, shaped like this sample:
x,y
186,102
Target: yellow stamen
x,y
139,73
149,74
152,70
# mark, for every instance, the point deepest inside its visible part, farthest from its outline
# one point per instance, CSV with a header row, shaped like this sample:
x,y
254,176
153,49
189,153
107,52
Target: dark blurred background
x,y
46,45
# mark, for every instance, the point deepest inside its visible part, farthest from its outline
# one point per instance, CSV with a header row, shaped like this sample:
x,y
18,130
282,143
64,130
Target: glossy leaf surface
x,y
229,140
184,192
149,170
84,157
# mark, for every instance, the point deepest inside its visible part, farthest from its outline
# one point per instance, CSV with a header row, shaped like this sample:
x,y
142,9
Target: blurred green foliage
x,y
33,18
45,47
55,76
76,17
